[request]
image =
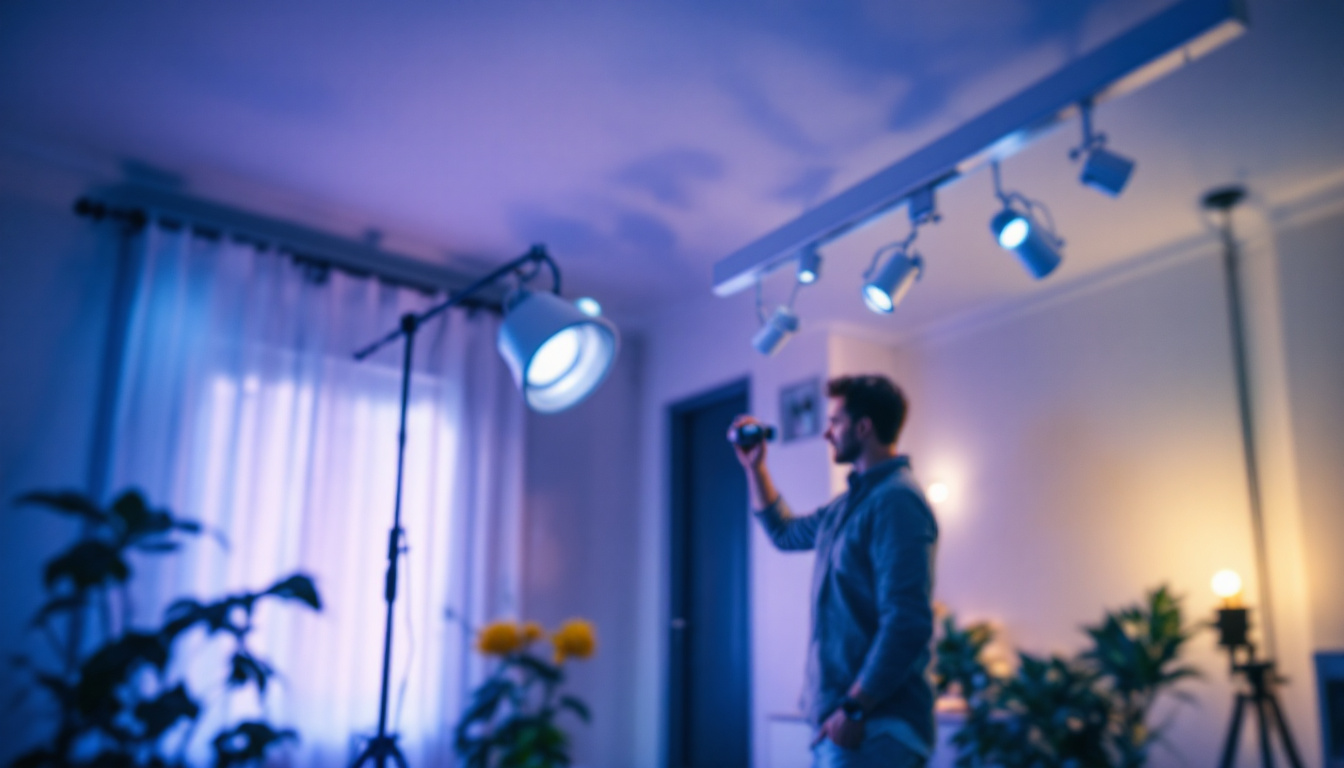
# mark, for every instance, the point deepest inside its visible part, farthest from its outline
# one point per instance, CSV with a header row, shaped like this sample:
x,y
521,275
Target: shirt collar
x,y
878,473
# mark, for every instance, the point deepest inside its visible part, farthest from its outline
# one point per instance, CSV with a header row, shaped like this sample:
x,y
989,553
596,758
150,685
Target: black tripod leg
x,y
1288,745
1266,748
1233,733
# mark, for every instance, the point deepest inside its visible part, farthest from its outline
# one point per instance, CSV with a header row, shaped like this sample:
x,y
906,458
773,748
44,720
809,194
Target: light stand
x,y
383,748
1233,625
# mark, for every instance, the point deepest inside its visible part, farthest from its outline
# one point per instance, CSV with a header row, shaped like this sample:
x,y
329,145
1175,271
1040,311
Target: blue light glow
x,y
1014,233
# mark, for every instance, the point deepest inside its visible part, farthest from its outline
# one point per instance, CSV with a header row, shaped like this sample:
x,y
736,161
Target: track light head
x,y
1035,246
809,265
1105,171
775,332
892,281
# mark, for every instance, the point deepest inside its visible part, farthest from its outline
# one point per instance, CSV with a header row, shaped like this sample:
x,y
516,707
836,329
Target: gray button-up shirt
x,y
872,591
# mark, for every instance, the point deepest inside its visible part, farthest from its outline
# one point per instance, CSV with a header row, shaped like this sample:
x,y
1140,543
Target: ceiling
x,y
644,141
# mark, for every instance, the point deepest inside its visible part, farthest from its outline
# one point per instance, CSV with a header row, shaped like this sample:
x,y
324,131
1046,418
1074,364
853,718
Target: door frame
x,y
674,721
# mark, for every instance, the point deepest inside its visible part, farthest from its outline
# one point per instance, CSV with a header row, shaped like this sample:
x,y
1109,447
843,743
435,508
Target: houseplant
x,y
1056,712
510,721
121,702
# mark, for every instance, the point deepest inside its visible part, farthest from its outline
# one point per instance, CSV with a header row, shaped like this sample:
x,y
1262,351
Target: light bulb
x,y
938,492
1226,584
555,358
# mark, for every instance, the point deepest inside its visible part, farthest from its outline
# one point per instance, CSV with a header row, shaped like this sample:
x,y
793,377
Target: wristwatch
x,y
852,709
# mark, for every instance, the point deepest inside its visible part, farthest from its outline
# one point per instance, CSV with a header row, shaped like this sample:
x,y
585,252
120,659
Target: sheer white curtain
x,y
240,406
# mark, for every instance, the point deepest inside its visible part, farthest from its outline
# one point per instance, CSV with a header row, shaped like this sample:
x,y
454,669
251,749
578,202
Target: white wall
x,y
56,276
1312,274
579,531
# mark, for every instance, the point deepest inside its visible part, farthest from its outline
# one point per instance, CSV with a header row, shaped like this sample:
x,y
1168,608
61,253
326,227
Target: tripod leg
x,y
1266,748
1288,746
1233,733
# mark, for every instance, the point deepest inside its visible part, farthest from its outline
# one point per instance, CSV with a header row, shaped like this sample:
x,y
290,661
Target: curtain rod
x,y
299,243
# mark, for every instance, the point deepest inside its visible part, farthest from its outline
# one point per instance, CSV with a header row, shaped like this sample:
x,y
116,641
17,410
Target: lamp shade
x,y
1037,249
556,353
892,282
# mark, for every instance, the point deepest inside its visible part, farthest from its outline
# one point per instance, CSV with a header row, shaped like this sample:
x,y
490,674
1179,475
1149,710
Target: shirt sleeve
x,y
789,533
902,548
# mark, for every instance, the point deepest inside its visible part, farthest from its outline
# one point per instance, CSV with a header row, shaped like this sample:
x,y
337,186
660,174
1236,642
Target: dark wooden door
x,y
710,703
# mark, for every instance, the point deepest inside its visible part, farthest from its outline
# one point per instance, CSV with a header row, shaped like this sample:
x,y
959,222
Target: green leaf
x,y
248,742
112,664
245,668
37,758
298,587
577,707
55,606
163,712
89,563
65,503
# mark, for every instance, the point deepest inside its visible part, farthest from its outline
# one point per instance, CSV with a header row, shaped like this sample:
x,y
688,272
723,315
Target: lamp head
x,y
557,353
1105,171
777,330
1035,246
893,280
809,265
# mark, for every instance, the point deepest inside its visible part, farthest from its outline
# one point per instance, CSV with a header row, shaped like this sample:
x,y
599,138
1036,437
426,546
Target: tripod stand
x,y
383,748
1265,706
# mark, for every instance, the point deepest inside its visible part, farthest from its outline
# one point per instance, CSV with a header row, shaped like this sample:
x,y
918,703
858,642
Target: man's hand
x,y
752,458
842,731
759,485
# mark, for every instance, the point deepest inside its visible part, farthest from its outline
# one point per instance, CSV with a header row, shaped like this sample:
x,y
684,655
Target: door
x,y
709,675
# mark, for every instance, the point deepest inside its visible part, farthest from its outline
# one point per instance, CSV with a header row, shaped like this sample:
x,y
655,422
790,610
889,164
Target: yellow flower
x,y
575,638
499,638
532,632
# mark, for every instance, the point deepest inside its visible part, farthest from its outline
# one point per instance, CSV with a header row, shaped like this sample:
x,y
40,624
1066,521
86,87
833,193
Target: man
x,y
867,690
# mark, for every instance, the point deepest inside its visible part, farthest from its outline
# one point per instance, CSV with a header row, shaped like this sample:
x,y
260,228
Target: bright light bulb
x,y
1226,584
555,358
807,277
938,492
877,299
588,306
1014,233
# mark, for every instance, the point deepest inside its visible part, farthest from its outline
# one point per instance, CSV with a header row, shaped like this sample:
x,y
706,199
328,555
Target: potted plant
x,y
511,720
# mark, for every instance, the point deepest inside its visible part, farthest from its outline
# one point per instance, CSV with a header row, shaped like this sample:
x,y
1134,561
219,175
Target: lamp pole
x,y
383,748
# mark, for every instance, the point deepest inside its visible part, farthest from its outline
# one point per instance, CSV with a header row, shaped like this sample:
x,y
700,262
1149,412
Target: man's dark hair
x,y
875,397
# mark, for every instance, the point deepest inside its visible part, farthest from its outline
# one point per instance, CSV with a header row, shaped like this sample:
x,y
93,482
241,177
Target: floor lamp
x,y
557,354
1233,620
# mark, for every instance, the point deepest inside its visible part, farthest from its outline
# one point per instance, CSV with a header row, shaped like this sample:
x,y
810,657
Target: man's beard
x,y
846,451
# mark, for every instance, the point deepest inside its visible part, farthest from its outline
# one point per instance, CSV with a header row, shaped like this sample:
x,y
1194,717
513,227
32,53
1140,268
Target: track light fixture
x,y
884,286
1024,227
775,331
809,265
1103,170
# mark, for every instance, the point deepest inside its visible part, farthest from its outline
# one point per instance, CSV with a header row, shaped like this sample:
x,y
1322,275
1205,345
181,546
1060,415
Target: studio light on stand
x,y
1234,624
1024,227
558,354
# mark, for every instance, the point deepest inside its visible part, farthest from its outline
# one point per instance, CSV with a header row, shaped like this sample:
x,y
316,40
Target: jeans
x,y
879,751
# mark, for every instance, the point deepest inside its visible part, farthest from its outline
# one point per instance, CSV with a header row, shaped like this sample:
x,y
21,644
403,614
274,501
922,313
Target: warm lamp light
x,y
938,492
1227,585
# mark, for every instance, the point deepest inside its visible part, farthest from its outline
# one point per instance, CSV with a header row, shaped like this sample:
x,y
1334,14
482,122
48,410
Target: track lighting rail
x,y
1165,42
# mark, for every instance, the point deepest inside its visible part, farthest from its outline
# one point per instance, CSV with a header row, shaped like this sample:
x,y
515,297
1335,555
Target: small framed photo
x,y
800,410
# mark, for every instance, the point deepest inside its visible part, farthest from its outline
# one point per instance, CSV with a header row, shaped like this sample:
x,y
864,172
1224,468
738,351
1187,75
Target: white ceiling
x,y
644,141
